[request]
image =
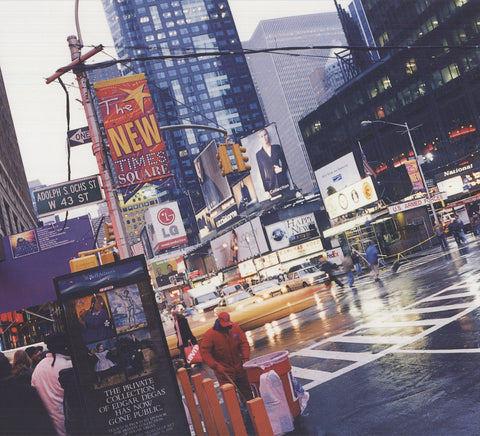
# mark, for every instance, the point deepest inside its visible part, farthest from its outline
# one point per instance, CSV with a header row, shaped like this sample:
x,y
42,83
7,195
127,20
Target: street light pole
x,y
412,145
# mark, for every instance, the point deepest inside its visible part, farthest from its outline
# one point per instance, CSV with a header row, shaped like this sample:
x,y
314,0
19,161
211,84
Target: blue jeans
x,y
350,278
358,269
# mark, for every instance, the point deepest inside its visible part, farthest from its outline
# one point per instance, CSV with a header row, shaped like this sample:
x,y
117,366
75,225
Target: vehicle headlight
x,y
200,311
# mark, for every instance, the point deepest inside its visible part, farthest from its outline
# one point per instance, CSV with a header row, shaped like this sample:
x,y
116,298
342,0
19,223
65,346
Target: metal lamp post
x,y
412,145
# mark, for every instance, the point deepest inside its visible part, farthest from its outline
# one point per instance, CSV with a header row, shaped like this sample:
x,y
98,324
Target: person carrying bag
x,y
185,338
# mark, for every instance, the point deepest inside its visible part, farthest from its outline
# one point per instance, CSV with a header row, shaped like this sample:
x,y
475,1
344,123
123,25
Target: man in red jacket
x,y
225,349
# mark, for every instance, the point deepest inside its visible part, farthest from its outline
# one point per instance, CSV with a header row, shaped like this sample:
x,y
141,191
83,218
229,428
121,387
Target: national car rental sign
x,y
136,145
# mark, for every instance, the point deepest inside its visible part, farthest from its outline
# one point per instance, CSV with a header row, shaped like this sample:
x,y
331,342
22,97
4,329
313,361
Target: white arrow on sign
x,y
79,137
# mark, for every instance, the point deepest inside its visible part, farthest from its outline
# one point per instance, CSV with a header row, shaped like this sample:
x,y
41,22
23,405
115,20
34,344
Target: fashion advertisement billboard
x,y
205,223
122,363
215,188
244,193
165,226
292,231
337,175
244,242
136,144
269,169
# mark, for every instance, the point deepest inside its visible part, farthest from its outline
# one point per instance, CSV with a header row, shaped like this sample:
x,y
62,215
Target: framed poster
x,y
119,351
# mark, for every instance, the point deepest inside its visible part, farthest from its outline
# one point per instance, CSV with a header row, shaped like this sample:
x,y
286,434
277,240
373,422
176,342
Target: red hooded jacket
x,y
225,346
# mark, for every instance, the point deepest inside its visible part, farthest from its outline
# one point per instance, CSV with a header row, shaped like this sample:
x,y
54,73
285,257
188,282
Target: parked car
x,y
239,300
302,278
266,289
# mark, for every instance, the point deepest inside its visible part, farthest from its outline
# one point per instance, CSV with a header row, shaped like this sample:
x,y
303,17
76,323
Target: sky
x,y
33,45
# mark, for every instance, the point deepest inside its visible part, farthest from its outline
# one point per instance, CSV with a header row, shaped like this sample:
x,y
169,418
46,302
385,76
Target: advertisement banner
x,y
269,169
27,271
244,193
214,186
337,175
205,223
168,272
165,226
292,231
414,174
358,195
119,351
136,145
242,243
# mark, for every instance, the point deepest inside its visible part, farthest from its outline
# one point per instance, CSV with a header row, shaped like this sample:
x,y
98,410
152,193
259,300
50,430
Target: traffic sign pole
x,y
97,146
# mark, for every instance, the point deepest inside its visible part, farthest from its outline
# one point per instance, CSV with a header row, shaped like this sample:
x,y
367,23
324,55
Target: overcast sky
x,y
33,46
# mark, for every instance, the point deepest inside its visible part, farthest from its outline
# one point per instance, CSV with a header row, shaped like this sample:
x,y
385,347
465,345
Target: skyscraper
x,y
214,90
283,79
16,207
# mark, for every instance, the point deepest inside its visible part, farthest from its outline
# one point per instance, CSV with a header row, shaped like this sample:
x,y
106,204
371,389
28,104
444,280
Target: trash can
x,y
280,363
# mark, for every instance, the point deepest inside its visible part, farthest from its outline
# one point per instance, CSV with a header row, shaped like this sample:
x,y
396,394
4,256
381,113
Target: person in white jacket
x,y
45,378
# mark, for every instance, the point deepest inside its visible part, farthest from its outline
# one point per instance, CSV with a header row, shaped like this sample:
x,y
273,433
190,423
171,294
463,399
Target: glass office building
x,y
213,90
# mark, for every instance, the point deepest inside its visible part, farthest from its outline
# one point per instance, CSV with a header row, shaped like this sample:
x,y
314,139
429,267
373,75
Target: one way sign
x,y
79,137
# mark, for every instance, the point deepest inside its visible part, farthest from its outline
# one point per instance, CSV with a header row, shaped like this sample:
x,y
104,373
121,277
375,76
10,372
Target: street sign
x,y
68,195
79,136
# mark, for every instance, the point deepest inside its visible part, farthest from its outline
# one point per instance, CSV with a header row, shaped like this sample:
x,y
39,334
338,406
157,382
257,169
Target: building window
x,y
449,73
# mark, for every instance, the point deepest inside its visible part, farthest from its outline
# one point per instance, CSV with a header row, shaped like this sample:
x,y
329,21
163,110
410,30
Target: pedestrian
x,y
372,255
22,367
21,410
456,227
442,237
356,261
45,378
347,264
476,223
184,334
225,349
329,268
35,353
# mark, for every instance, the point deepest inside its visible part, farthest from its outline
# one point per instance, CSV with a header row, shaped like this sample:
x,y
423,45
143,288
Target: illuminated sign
x,y
413,204
355,196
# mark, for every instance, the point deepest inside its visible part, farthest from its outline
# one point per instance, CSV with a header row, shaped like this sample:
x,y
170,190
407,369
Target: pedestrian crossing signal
x,y
240,159
224,160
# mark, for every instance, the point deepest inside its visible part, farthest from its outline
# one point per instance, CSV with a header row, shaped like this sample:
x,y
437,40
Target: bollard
x,y
189,397
215,407
205,408
233,409
259,416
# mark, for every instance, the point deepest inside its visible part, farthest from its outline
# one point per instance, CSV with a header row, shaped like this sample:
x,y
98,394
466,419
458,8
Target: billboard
x,y
292,231
244,242
244,193
168,272
215,188
165,226
358,195
205,223
27,271
119,350
269,171
337,175
136,145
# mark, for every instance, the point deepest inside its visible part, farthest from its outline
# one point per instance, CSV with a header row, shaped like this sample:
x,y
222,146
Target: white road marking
x,y
314,377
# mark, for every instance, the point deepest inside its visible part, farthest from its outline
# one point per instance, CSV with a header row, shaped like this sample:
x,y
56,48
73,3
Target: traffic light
x,y
109,234
224,160
240,159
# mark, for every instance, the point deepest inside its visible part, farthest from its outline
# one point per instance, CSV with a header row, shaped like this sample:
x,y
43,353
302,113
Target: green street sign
x,y
68,195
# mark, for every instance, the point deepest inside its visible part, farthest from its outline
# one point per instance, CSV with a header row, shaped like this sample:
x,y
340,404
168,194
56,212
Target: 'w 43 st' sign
x,y
68,195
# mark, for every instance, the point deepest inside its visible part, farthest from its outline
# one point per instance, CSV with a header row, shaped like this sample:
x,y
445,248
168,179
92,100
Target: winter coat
x,y
347,263
226,347
184,331
328,267
45,381
371,254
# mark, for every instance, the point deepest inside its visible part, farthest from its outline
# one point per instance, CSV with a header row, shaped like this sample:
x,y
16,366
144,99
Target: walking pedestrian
x,y
347,264
442,237
329,268
45,378
225,349
372,255
456,227
356,261
184,333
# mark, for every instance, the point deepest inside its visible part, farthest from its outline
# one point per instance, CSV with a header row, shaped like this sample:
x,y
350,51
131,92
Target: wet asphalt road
x,y
395,357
